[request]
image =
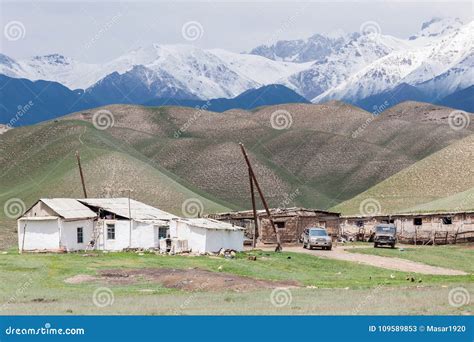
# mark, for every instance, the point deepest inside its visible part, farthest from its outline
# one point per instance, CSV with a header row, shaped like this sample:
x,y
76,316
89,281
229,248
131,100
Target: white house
x,y
67,224
55,224
207,235
124,223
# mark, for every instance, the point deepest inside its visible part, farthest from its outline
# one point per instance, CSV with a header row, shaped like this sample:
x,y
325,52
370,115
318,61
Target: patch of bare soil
x,y
193,279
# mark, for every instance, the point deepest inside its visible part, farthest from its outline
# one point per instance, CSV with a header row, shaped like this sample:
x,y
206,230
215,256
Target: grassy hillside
x,y
329,154
39,161
442,181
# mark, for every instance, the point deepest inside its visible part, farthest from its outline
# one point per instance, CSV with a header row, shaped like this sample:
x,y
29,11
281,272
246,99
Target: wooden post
x,y
255,217
82,175
278,247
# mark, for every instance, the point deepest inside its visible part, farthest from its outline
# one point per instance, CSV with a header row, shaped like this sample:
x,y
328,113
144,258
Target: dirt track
x,y
396,264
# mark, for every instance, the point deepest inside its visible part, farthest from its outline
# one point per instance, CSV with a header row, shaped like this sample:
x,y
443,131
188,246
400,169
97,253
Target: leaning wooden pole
x,y
262,197
82,175
254,208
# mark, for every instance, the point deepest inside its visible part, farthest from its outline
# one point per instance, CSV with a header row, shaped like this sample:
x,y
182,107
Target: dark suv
x,y
385,234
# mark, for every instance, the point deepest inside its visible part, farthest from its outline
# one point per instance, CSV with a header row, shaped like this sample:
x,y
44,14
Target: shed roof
x,y
67,208
209,224
119,206
294,211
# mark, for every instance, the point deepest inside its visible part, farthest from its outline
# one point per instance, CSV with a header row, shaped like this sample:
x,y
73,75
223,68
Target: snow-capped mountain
x,y
203,73
355,54
315,48
439,61
433,63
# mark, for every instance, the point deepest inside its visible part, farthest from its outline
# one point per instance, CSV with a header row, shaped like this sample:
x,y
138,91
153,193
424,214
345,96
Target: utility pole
x,y
130,216
82,175
255,217
252,174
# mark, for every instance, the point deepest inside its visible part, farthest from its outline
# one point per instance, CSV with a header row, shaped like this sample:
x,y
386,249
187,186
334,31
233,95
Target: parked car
x,y
385,234
316,237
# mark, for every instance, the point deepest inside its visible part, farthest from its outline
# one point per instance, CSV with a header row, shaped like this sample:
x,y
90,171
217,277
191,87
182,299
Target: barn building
x,y
290,222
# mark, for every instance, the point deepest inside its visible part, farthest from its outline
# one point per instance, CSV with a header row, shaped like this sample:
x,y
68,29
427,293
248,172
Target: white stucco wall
x,y
69,234
144,235
228,239
39,235
207,240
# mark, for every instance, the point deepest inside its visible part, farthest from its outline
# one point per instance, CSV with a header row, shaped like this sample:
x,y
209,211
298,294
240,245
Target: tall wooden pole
x,y
275,230
82,175
254,208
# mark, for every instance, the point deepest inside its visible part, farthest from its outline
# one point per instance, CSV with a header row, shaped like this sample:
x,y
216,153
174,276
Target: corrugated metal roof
x,y
68,208
119,206
209,224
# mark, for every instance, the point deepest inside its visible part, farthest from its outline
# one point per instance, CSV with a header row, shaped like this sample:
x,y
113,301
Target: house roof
x,y
68,208
119,206
209,224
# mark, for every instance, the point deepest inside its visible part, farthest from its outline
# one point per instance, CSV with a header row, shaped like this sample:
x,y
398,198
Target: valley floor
x,y
275,283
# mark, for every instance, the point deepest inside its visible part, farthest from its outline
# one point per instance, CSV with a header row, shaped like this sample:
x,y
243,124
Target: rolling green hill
x,y
441,182
327,154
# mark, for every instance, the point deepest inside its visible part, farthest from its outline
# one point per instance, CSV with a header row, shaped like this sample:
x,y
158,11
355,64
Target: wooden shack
x,y
440,227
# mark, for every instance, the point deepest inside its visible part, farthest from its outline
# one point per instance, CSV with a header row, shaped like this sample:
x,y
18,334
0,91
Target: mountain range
x,y
366,69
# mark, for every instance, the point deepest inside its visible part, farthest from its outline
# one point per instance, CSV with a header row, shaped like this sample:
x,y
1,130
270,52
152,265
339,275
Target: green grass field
x,y
35,284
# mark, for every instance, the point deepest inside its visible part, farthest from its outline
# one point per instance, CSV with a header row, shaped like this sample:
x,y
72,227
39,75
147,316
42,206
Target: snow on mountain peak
x,y
438,27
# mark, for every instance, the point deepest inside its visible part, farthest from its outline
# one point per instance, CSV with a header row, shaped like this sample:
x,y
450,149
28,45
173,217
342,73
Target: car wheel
x,y
329,248
393,245
375,245
309,246
304,245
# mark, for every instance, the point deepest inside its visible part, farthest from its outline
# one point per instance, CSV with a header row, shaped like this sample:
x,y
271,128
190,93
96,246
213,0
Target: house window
x,y
80,235
417,221
359,223
447,220
280,225
111,232
162,232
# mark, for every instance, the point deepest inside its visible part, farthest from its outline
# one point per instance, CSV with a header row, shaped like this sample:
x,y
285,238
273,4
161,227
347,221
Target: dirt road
x,y
397,264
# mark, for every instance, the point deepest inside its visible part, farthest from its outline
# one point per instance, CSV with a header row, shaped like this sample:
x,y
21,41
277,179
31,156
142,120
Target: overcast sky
x,y
100,31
